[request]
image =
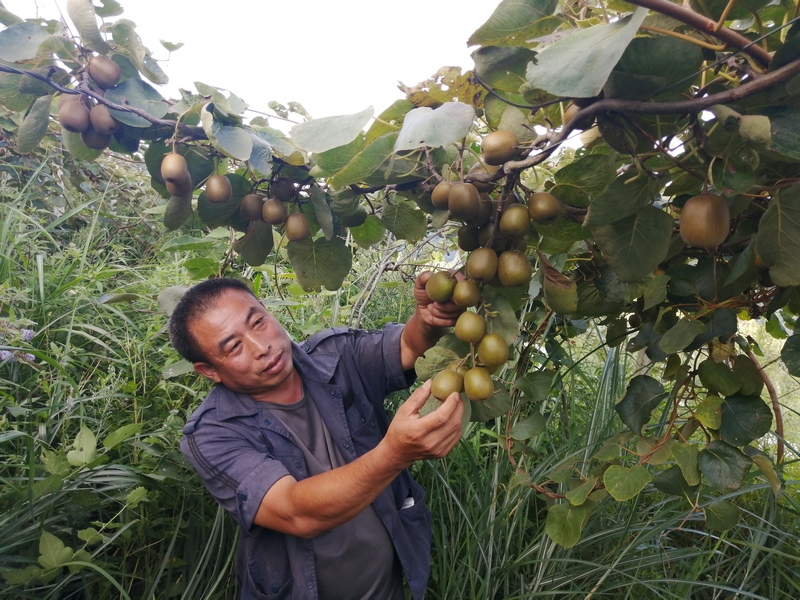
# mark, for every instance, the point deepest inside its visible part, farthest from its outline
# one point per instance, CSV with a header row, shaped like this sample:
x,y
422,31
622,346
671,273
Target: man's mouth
x,y
273,365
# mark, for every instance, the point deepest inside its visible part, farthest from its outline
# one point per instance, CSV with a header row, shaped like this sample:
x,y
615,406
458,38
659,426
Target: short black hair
x,y
196,301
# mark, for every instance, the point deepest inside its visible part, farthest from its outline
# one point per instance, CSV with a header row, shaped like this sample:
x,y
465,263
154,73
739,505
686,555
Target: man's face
x,y
245,347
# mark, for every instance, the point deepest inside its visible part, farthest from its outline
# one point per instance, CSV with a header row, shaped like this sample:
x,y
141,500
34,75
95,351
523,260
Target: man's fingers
x,y
418,398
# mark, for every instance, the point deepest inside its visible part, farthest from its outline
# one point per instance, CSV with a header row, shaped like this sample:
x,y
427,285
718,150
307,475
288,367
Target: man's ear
x,y
206,370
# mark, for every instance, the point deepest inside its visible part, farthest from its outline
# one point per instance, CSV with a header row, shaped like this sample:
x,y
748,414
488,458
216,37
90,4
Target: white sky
x,y
333,57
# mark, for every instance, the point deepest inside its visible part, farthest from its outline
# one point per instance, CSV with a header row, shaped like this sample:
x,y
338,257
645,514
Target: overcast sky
x,y
334,57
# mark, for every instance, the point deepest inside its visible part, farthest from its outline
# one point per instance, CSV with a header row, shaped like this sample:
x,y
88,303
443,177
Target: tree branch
x,y
776,406
706,25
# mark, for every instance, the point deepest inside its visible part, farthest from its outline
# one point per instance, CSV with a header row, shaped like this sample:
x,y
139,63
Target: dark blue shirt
x,y
239,455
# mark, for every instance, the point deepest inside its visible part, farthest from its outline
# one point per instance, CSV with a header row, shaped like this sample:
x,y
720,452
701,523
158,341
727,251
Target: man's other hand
x,y
435,314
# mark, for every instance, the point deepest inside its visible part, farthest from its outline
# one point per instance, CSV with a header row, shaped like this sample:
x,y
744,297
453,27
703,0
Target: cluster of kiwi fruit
x,y
273,210
495,235
80,114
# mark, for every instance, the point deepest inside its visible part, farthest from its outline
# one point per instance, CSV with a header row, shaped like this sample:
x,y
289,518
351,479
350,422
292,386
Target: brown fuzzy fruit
x,y
174,168
482,264
74,117
467,293
102,121
499,147
514,268
470,327
282,189
705,221
478,384
296,227
251,207
94,140
218,189
104,71
458,366
440,286
274,211
440,195
464,201
445,383
354,219
492,350
468,238
544,208
485,210
515,221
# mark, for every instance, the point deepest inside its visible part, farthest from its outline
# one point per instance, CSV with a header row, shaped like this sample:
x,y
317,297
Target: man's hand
x,y
435,314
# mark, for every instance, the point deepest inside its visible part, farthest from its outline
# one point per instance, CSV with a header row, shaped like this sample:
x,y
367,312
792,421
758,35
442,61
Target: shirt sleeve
x,y
236,472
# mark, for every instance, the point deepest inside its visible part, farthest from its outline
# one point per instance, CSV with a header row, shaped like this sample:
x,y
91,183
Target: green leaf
x,y
624,196
261,154
84,448
578,495
322,210
187,243
169,297
123,32
90,535
320,263
136,496
502,67
505,322
52,551
784,130
533,425
365,163
744,419
255,246
790,355
642,396
22,41
424,126
514,22
109,8
499,404
34,126
721,515
30,573
578,65
709,412
686,456
634,246
82,14
656,291
54,464
591,174
658,451
671,481
232,141
136,94
75,146
536,385
778,237
565,523
718,377
681,335
10,94
369,233
723,466
319,135
624,483
748,374
404,220
434,361
121,434
178,368
767,469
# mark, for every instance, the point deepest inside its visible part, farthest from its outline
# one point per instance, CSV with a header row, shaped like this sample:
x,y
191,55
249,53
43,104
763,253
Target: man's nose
x,y
260,344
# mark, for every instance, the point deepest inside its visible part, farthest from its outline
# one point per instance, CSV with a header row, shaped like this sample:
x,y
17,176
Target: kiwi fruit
x,y
94,140
274,212
514,268
102,121
440,286
464,201
482,264
470,327
74,117
251,207
354,219
467,293
480,168
296,227
440,195
515,221
104,71
85,100
499,147
218,189
174,168
485,210
544,208
489,236
478,384
445,383
468,238
182,189
492,350
705,221
458,366
282,189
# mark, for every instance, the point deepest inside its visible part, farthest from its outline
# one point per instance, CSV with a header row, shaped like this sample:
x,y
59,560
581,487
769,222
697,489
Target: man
x,y
294,442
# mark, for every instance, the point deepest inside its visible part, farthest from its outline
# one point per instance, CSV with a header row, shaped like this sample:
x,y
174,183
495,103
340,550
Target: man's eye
x,y
258,321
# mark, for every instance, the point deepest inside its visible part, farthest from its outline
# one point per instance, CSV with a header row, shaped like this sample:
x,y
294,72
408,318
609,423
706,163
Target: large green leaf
x,y
497,405
319,135
255,246
686,455
365,163
424,126
320,263
75,146
624,196
744,419
503,321
136,94
53,554
503,67
635,245
34,126
404,220
778,237
369,233
721,515
322,210
261,154
10,94
644,393
623,483
671,481
231,140
591,174
790,355
723,466
123,32
578,65
565,523
84,448
82,14
514,22
784,130
681,335
22,41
